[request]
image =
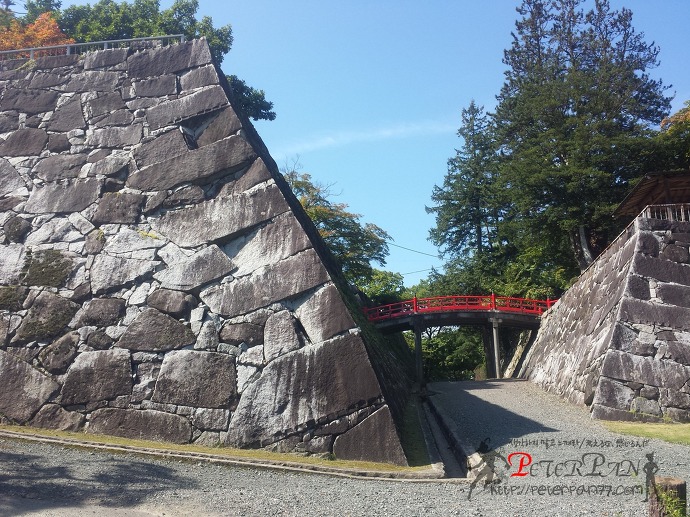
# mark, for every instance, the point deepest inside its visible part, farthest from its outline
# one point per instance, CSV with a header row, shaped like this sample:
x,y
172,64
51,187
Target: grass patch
x,y
673,433
412,438
258,455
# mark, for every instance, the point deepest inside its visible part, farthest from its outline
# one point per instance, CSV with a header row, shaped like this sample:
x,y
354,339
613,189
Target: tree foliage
x,y
354,245
43,32
577,96
466,207
527,200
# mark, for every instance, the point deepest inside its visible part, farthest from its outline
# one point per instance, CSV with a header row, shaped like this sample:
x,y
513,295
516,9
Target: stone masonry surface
x,y
619,339
157,279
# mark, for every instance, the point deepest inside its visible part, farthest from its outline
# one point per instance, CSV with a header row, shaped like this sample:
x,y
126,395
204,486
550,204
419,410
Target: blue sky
x,y
368,93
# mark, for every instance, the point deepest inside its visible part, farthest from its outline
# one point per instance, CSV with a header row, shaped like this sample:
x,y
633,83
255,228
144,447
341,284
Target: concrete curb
x,y
426,476
459,447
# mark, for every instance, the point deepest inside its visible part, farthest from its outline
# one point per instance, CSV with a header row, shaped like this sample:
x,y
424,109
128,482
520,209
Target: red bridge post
x,y
493,302
414,304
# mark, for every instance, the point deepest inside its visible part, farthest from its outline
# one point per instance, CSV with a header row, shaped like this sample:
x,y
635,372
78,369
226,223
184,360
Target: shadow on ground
x,y
104,480
477,419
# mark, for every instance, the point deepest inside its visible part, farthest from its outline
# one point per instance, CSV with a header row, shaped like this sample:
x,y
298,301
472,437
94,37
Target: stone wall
x,y
619,339
158,278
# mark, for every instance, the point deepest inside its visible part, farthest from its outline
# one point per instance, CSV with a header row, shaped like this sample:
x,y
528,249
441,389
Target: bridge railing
x,y
457,303
79,48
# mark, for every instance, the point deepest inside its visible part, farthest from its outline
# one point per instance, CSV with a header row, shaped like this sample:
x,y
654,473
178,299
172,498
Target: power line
x,y
414,251
420,271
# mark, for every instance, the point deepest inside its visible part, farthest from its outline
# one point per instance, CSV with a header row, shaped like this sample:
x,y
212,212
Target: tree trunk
x,y
583,254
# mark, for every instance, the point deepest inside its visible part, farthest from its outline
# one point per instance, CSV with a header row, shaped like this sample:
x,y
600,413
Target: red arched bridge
x,y
483,310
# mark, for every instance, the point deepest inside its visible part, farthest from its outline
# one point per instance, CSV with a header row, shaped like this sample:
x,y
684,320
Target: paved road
x,y
567,451
50,480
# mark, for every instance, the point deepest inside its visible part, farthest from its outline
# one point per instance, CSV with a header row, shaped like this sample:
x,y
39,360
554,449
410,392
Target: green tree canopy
x,y
576,101
466,206
354,245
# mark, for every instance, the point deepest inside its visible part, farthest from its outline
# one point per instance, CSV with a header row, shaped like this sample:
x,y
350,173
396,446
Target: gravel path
x,y
51,480
569,452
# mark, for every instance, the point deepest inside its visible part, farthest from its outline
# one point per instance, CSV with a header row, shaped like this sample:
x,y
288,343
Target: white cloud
x,y
344,138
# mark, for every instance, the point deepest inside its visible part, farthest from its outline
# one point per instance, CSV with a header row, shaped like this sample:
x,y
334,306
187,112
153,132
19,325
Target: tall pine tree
x,y
576,99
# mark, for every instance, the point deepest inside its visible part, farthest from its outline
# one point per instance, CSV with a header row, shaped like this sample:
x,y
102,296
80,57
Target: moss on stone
x,y
46,328
48,268
12,298
16,229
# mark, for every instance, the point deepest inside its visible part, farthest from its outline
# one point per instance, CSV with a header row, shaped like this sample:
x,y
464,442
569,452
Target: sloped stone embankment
x,y
157,277
619,339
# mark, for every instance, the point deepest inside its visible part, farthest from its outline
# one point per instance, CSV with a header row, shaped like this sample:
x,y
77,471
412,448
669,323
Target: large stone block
x,y
93,81
141,425
280,336
639,311
68,117
46,80
66,196
162,148
23,389
237,334
304,386
614,394
16,228
175,303
288,278
29,101
278,240
676,253
116,164
662,270
24,142
674,294
201,268
97,376
153,331
609,413
648,244
225,156
105,58
9,122
678,352
156,87
373,439
197,379
59,166
102,312
108,272
12,261
47,318
118,207
57,356
59,61
221,218
168,60
127,240
53,416
324,314
104,104
186,107
644,370
198,78
115,137
10,180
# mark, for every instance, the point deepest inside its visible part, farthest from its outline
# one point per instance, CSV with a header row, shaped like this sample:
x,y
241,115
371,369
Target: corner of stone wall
x,y
645,375
159,278
392,361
